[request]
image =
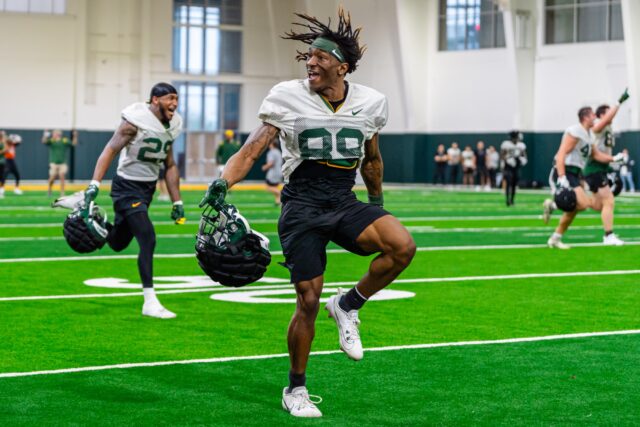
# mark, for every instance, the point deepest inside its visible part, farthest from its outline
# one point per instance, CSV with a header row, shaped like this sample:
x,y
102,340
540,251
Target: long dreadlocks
x,y
345,37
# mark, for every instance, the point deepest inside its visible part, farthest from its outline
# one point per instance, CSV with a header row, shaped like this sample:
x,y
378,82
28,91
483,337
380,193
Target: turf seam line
x,y
321,353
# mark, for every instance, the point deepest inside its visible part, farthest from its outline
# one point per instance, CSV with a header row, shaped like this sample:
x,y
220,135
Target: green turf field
x,y
486,327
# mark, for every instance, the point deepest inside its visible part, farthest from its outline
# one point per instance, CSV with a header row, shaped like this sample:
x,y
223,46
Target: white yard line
x,y
320,353
218,288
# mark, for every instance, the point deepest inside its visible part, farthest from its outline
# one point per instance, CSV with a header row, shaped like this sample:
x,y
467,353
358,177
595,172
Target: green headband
x,y
329,47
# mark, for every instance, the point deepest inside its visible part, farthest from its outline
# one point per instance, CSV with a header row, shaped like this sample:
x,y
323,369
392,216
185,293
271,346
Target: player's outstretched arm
x,y
371,170
172,178
240,163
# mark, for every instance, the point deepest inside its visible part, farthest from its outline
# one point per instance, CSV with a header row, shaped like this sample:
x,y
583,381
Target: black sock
x,y
352,300
296,380
606,233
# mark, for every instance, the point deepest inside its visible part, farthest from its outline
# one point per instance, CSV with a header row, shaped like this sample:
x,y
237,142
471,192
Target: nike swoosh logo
x,y
136,204
356,112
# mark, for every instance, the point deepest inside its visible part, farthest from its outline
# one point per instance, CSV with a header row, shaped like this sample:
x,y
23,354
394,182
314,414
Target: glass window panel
x,y
487,6
230,49
180,49
59,7
194,106
560,2
16,6
41,6
196,15
213,16
486,30
212,51
615,23
196,49
231,103
591,1
592,23
232,12
211,107
442,30
499,24
559,26
180,11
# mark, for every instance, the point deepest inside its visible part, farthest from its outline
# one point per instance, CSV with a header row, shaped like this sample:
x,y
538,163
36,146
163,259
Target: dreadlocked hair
x,y
345,37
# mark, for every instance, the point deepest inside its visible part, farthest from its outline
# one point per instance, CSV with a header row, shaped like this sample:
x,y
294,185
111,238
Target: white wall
x,y
81,69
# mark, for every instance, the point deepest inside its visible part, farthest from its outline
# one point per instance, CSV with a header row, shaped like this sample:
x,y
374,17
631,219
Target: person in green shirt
x,y
227,148
3,149
58,147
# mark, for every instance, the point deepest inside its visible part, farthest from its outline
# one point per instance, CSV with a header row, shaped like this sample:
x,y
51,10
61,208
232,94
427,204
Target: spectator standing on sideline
x,y
441,165
481,166
514,155
58,147
273,168
625,172
493,163
11,167
227,148
453,160
468,166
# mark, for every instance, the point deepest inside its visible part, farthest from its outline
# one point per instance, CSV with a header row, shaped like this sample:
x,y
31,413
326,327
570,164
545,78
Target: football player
x,y
328,127
576,148
143,140
513,153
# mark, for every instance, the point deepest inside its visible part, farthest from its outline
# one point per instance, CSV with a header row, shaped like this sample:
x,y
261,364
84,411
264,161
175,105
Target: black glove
x,y
177,213
624,96
215,194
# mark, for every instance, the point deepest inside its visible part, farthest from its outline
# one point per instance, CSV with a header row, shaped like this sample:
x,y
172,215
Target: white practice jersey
x,y
604,140
140,160
467,159
311,130
582,151
454,155
513,152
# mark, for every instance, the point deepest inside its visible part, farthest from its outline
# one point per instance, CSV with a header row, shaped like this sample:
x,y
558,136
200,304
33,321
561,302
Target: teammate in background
x,y
273,168
513,153
3,150
441,165
493,164
575,149
625,172
144,140
227,148
468,166
481,167
453,156
319,205
11,167
58,147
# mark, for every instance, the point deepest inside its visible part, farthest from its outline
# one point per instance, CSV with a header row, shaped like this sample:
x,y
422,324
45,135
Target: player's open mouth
x,y
313,75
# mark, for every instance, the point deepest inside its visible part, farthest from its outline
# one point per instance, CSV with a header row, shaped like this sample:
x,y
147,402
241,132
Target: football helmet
x,y
85,230
565,199
615,182
228,250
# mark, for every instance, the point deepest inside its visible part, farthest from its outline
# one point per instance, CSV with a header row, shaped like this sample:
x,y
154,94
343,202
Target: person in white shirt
x,y
453,155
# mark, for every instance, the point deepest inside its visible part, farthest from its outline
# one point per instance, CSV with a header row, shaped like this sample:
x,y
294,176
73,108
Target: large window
x,y
209,107
53,7
470,24
207,36
576,21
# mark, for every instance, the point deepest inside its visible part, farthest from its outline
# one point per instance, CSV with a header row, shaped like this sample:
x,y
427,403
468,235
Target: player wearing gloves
x,y
328,127
143,140
577,147
513,153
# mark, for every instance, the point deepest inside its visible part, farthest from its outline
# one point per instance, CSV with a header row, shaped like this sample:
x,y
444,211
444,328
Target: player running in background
x,y
143,140
513,153
318,205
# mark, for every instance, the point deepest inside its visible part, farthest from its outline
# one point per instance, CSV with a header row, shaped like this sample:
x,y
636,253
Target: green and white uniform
x,y
578,157
140,160
605,142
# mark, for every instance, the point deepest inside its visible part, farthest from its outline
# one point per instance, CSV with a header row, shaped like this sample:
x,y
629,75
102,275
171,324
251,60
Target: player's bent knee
x,y
403,254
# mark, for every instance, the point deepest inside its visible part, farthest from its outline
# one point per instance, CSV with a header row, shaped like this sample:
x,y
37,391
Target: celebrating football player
x,y
143,140
328,127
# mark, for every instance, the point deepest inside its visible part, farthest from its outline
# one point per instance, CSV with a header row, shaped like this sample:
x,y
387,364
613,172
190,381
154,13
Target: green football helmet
x,y
228,250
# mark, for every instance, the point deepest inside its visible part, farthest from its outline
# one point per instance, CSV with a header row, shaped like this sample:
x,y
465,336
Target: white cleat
x,y
557,243
547,210
347,327
72,202
157,311
612,240
299,404
17,191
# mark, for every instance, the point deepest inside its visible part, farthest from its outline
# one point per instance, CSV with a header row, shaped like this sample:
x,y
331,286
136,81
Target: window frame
x,y
496,16
575,8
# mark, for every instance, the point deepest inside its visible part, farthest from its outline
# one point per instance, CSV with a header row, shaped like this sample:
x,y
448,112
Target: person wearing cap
x,y
327,128
227,148
143,141
58,147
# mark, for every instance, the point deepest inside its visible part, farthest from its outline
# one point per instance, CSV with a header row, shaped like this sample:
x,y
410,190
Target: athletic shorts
x,y
305,232
56,169
597,180
130,197
572,177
